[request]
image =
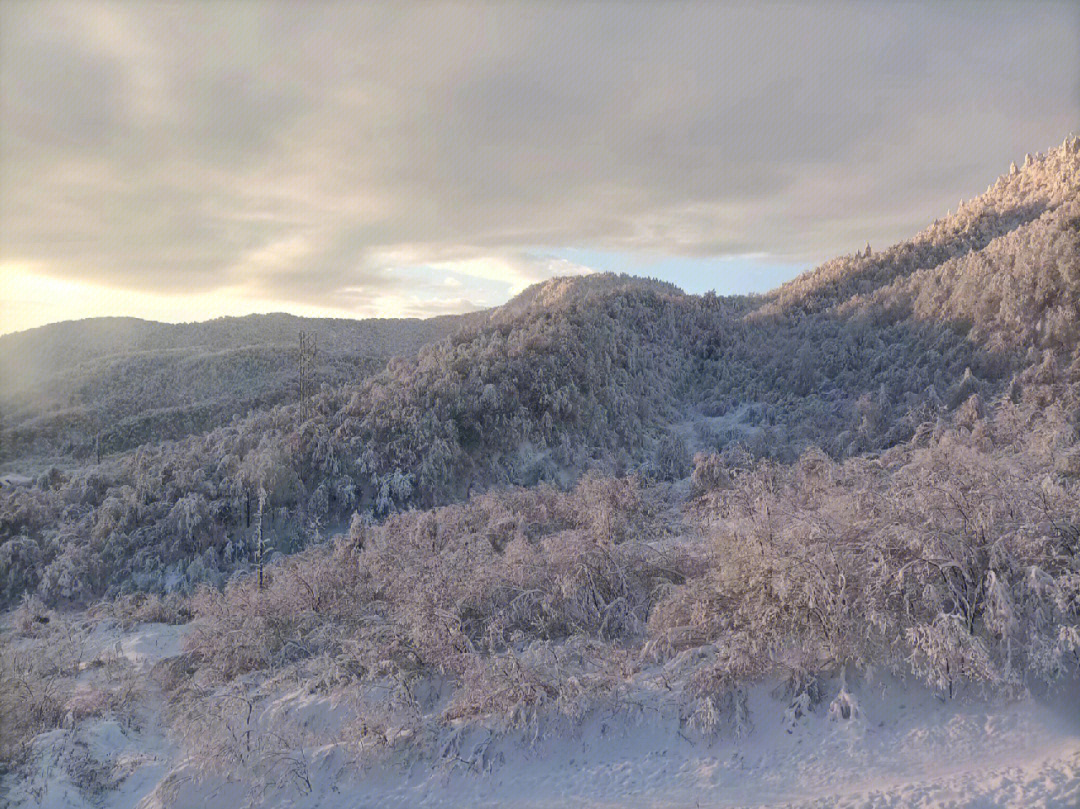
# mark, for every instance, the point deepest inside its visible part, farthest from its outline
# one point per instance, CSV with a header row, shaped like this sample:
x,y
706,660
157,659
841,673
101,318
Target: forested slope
x,y
123,382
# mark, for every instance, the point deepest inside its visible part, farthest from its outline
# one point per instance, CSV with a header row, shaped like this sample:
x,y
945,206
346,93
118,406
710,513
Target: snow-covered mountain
x,y
603,372
610,541
110,384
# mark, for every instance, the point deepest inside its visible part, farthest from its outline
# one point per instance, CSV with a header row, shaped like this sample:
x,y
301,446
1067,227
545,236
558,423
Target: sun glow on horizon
x,y
30,298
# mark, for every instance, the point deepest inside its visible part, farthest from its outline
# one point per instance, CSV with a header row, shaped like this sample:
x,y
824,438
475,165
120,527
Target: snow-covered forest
x,y
604,494
81,389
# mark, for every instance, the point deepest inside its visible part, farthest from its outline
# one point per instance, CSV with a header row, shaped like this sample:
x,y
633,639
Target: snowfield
x,y
901,745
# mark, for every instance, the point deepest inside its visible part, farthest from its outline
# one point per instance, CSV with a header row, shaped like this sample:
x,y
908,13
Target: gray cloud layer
x,y
305,151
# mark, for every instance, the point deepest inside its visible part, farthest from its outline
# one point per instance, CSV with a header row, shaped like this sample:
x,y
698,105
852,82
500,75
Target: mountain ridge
x,y
605,374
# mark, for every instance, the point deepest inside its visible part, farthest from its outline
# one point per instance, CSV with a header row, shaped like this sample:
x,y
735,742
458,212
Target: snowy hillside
x,y
109,384
899,745
608,545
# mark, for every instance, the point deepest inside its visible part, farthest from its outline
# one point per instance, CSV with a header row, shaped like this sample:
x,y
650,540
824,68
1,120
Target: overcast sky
x,y
184,161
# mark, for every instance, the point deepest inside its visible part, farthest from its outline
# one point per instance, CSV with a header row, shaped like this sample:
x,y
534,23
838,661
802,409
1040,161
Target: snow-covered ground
x,y
15,479
143,646
902,746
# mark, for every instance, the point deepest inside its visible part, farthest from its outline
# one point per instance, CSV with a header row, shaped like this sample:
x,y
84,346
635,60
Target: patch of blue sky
x,y
725,275
457,290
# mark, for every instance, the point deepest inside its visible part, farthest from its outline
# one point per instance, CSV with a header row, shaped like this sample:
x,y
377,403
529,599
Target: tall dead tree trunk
x,y
260,537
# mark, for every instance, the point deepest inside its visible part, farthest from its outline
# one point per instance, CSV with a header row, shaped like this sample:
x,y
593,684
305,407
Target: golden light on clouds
x,y
30,298
187,160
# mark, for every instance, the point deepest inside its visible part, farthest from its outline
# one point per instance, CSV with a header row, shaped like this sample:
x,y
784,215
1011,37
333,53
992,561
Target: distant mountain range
x,y
124,381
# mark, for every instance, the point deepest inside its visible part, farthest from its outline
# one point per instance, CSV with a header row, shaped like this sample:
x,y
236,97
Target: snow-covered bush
x,y
959,559
37,682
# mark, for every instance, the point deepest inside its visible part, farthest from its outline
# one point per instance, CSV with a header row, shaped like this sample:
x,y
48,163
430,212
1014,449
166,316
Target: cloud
x,y
330,155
